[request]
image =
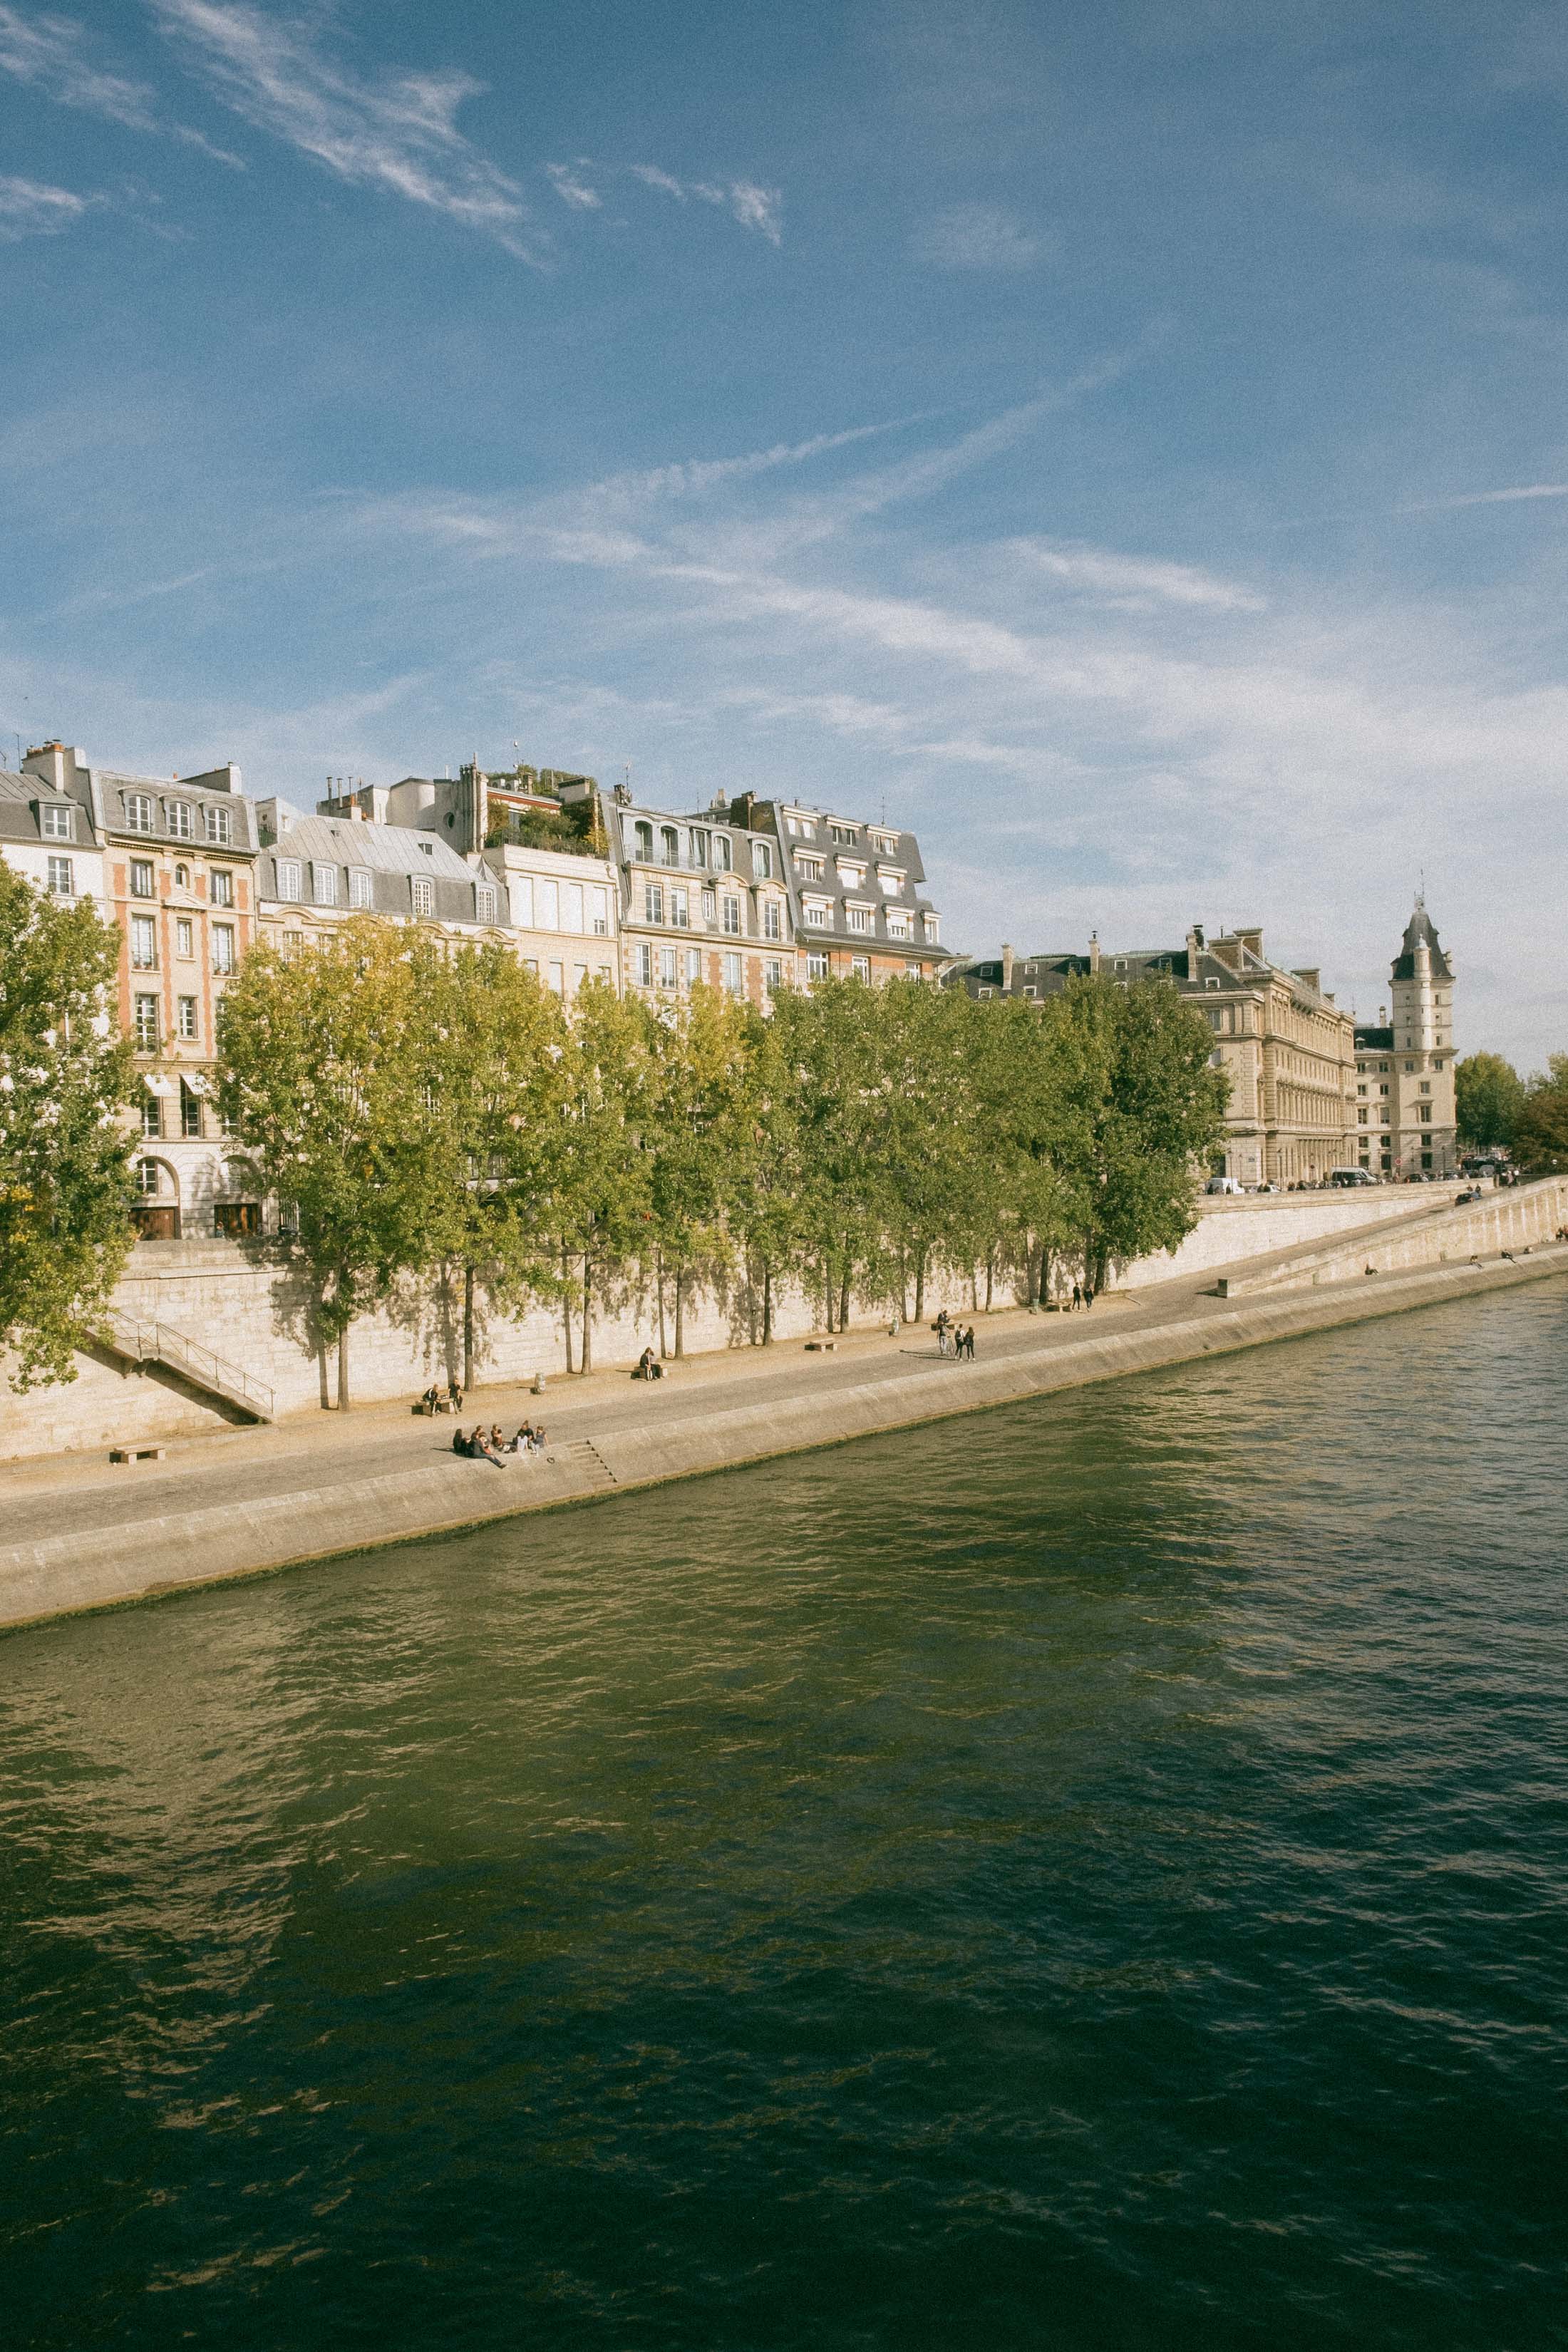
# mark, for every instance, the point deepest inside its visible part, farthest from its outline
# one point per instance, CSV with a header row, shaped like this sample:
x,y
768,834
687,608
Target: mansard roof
x,y
1421,927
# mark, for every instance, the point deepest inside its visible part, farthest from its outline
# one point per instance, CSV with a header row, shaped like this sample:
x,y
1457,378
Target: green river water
x,y
1091,1875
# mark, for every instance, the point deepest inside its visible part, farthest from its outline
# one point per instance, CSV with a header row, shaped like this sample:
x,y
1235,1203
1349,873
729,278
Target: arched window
x,y
645,842
149,1177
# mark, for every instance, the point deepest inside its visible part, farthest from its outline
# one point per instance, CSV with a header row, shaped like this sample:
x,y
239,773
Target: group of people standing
x,y
1082,1295
952,1338
491,1446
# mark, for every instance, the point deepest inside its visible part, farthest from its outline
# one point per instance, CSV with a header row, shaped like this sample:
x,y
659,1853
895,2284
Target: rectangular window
x,y
1426,1085
572,907
143,944
220,825
1361,1090
931,924
710,906
667,967
645,842
733,916
811,870
653,903
900,925
817,912
773,921
680,907
772,975
761,861
547,904
177,816
1424,1112
644,964
223,947
324,887
187,1016
891,883
146,1023
289,873
360,890
842,831
860,966
817,964
151,1113
190,1111
141,877
723,857
693,966
859,917
138,807
579,974
669,846
57,822
1362,1117
732,981
699,847
422,894
62,879
184,939
557,979
484,902
599,913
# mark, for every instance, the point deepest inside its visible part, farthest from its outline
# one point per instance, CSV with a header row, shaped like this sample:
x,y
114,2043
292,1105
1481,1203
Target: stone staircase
x,y
581,1456
160,1343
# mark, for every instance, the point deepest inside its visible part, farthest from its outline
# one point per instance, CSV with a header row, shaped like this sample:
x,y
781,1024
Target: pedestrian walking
x,y
968,1341
1076,1299
1088,1296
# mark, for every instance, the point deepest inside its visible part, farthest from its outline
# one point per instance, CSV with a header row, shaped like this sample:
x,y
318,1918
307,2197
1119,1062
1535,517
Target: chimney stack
x,y
1094,951
1006,967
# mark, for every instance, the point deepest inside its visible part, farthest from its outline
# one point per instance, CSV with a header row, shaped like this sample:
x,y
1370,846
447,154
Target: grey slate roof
x,y
392,856
1421,927
20,797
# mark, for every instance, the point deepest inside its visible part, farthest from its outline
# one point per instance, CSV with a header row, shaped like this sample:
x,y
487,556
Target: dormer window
x,y
484,902
323,885
360,891
845,833
891,881
138,807
852,876
761,861
670,845
56,822
288,872
644,835
809,866
220,825
180,819
422,894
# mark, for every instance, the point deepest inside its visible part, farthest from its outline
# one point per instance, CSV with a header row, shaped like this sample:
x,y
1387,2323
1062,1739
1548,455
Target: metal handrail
x,y
161,1343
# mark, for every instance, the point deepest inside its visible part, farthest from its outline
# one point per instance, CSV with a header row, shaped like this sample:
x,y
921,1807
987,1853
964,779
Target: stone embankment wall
x,y
1522,1218
1229,1228
248,1303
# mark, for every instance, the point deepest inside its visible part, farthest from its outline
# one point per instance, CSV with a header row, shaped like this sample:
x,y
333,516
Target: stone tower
x,y
1422,1053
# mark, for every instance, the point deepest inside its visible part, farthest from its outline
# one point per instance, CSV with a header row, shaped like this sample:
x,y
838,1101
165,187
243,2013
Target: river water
x,y
1089,1876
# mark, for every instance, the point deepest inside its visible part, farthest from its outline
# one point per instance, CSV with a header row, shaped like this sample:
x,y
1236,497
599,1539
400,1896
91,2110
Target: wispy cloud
x,y
980,237
570,188
49,54
1487,498
1135,584
30,208
744,200
397,134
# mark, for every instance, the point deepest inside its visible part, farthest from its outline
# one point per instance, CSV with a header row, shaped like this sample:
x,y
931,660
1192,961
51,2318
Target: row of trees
x,y
1526,1117
431,1112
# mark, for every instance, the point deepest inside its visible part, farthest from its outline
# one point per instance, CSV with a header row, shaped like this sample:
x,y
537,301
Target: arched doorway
x,y
155,1211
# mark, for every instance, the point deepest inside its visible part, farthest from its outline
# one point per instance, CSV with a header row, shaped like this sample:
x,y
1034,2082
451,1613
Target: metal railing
x,y
160,1343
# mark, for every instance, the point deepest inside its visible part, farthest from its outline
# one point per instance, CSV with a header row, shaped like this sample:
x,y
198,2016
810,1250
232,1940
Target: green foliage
x,y
574,829
1489,1094
1540,1123
334,1064
65,1084
1149,1109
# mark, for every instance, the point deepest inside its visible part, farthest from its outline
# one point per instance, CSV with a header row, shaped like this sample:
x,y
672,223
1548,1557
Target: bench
x,y
136,1453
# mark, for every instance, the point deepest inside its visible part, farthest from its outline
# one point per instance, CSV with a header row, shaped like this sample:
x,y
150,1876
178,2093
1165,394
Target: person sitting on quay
x,y
430,1401
648,1367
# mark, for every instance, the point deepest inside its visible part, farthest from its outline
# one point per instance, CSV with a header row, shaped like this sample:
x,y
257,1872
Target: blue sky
x,y
1126,444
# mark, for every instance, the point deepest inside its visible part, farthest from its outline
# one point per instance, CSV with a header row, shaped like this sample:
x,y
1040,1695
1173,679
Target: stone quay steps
x,y
213,1375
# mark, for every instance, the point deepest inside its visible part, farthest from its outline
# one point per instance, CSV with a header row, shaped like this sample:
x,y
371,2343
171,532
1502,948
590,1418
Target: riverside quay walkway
x,y
75,1533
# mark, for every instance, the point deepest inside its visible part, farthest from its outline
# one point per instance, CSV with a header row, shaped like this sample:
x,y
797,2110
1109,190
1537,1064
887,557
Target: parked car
x,y
1344,1178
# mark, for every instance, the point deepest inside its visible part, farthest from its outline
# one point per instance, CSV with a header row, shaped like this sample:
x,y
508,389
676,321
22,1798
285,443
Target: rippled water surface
x,y
1088,1877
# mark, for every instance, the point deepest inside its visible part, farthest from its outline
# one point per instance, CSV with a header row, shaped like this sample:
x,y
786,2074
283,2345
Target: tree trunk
x,y
566,1303
921,1284
587,1358
663,1351
989,1274
467,1326
343,1368
767,1303
827,1283
844,1299
679,1303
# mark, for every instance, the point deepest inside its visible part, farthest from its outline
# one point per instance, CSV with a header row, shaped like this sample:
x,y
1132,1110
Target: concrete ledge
x,y
58,1575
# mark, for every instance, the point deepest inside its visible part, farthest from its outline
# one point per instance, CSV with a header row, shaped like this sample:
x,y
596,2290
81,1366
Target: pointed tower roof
x,y
1421,928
